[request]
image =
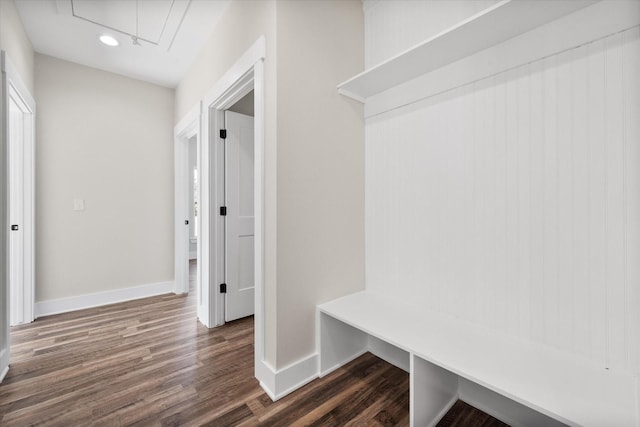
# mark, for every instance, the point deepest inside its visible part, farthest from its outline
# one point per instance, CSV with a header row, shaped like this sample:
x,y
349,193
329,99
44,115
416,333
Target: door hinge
x,y
223,134
14,227
223,211
223,288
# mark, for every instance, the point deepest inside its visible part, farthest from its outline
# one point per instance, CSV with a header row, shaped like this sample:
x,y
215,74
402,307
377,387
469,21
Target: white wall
x,y
514,201
314,158
14,41
242,24
106,139
392,27
320,166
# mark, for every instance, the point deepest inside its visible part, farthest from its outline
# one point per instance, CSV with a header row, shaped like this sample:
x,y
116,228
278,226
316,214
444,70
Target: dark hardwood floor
x,y
150,362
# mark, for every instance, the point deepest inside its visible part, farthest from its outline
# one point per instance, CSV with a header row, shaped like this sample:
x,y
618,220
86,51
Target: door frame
x,y
13,83
186,129
246,74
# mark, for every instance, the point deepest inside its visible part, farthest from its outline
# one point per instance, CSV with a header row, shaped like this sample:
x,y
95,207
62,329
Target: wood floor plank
x,y
149,362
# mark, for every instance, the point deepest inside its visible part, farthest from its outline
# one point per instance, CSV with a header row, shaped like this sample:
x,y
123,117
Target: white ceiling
x,y
170,33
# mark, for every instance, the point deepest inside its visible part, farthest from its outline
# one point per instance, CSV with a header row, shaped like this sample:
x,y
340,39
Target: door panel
x,y
4,227
239,229
16,214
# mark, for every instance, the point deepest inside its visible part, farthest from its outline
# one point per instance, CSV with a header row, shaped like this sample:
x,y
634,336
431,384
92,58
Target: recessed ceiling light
x,y
109,41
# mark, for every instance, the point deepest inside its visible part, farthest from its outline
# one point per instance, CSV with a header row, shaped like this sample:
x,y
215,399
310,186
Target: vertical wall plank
x,y
500,217
614,200
523,201
537,96
512,203
551,284
597,210
580,191
565,201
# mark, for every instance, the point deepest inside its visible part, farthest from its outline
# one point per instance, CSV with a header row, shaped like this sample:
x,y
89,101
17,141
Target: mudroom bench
x,y
517,381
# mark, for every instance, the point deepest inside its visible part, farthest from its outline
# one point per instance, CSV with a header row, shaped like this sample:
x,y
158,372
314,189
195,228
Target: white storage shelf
x,y
565,388
504,20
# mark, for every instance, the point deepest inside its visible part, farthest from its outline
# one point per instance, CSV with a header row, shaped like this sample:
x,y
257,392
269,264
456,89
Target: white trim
x,y
16,81
444,411
242,66
80,302
4,373
247,72
278,384
186,129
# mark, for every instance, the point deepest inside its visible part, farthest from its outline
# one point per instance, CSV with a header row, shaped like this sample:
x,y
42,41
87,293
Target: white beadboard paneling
x,y
614,202
514,201
580,200
536,230
550,309
596,181
563,182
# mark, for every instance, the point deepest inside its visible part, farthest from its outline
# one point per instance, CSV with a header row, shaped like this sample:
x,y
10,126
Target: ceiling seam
x,y
73,13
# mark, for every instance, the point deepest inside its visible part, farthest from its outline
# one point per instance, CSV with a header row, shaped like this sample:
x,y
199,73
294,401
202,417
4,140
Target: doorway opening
x,y
17,194
21,291
186,208
243,77
20,139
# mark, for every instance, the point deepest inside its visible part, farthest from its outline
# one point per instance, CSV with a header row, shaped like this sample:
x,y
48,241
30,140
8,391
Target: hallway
x,y
150,362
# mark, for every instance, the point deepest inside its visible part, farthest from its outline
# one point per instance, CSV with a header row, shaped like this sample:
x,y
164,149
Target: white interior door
x,y
239,230
17,216
16,209
4,276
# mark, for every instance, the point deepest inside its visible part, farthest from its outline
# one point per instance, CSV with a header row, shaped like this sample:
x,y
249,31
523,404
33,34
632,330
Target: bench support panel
x,y
433,391
339,343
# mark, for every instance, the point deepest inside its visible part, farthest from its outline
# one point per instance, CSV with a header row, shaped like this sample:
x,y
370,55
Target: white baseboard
x,y
79,302
4,373
278,384
444,411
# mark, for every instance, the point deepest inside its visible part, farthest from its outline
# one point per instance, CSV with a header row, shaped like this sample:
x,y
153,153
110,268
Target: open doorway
x,y
17,192
192,202
186,207
20,139
244,76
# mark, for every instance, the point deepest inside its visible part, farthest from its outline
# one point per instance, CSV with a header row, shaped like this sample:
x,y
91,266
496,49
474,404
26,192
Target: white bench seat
x,y
561,386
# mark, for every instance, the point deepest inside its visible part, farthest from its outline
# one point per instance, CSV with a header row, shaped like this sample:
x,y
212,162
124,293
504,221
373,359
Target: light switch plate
x,y
78,204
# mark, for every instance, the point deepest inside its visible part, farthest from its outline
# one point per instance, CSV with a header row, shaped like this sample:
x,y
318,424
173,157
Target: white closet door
x,y
239,246
16,214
